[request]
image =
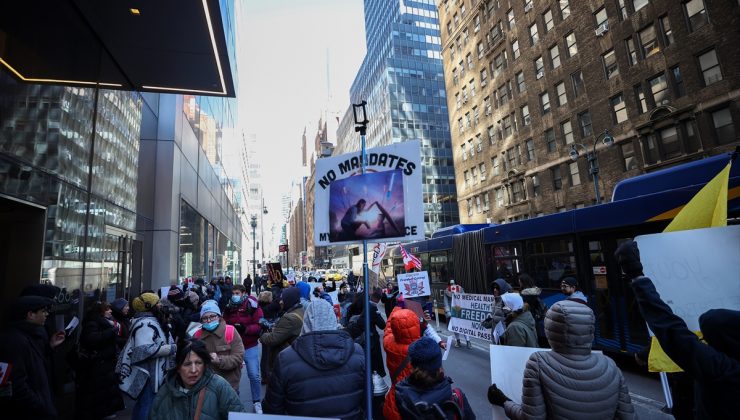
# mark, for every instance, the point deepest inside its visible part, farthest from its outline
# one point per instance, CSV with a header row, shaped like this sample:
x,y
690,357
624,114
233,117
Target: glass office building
x,y
401,79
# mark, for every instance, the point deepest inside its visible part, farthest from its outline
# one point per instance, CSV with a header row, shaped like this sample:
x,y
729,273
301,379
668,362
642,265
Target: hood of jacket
x,y
304,289
525,318
319,316
531,291
405,392
569,327
405,326
503,286
325,350
721,330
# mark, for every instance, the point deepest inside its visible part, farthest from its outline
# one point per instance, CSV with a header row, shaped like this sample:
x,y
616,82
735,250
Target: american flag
x,y
409,260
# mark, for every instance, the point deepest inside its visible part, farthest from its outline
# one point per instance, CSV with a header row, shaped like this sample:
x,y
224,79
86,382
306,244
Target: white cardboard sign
x,y
467,312
414,284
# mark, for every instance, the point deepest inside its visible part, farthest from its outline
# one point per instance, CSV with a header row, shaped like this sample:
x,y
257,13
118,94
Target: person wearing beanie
x,y
121,313
500,287
27,346
427,385
286,329
187,313
305,293
322,374
223,343
148,354
570,381
569,287
520,328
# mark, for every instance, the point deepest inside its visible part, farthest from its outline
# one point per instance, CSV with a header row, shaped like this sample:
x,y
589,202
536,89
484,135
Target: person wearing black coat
x,y
248,284
321,374
121,313
26,345
715,367
98,395
389,299
356,329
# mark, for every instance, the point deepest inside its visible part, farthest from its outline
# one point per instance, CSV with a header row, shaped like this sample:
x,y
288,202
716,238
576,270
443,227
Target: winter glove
x,y
628,257
496,396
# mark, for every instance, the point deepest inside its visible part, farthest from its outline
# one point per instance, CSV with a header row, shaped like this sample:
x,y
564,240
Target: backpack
x,y
450,409
229,335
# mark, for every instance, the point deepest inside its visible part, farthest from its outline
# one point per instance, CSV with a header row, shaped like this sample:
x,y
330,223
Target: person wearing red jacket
x,y
401,329
244,314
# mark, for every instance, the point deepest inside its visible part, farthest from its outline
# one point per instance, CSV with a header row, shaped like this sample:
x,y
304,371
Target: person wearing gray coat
x,y
569,382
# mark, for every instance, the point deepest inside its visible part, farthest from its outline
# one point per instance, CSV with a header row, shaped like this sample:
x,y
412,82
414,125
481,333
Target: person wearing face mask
x,y
223,343
244,314
286,329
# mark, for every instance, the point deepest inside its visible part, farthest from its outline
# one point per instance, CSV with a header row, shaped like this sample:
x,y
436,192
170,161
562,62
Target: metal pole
x,y
254,254
595,174
366,282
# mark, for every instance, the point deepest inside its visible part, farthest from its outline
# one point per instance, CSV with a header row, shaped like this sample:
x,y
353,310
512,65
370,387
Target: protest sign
x,y
414,284
467,312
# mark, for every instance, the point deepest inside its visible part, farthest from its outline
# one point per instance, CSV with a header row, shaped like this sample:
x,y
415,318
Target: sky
x,y
283,49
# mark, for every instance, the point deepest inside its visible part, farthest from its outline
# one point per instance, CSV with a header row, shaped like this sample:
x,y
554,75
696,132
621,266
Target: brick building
x,y
530,81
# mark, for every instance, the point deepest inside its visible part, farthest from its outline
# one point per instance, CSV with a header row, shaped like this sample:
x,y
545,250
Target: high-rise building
x,y
401,79
530,83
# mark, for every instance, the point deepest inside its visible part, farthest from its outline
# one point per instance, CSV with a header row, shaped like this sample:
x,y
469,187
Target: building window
x,y
476,116
503,95
467,121
642,106
557,179
562,96
533,35
479,47
648,41
659,89
628,156
710,69
472,88
464,153
487,105
474,174
545,102
678,82
457,100
619,109
455,79
483,77
462,10
506,126
517,192
570,44
639,4
691,143
611,68
536,185
584,119
510,18
486,202
465,94
539,67
577,80
499,64
564,9
547,18
476,23
478,143
530,149
724,128
550,140
471,149
526,119
669,142
521,86
631,51
495,164
601,17
566,128
482,170
696,14
555,56
575,177
623,12
470,207
491,134
466,177
466,36
500,197
515,49
665,28
460,126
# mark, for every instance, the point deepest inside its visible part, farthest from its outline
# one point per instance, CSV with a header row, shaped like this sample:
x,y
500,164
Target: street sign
x,y
284,248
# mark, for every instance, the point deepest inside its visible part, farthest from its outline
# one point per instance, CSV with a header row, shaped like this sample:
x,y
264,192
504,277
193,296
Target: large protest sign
x,y
383,203
694,270
467,312
414,284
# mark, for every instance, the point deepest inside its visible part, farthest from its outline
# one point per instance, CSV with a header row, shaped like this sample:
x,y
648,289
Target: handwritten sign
x,y
467,312
414,284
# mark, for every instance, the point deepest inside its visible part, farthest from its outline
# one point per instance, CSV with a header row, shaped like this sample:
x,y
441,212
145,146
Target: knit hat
x,y
25,304
118,305
145,302
319,316
424,354
304,288
175,294
290,297
570,281
512,301
210,306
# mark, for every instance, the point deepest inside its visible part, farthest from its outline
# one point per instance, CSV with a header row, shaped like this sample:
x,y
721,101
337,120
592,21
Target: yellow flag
x,y
708,208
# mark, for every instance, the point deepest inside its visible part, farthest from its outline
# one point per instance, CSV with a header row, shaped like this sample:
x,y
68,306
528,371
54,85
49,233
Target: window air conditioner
x,y
540,74
528,7
602,29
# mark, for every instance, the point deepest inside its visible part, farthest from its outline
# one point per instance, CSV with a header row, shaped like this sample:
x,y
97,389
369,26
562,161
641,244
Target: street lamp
x,y
253,223
593,162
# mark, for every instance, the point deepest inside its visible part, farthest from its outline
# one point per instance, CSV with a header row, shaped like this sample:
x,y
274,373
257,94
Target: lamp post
x,y
360,115
593,162
253,223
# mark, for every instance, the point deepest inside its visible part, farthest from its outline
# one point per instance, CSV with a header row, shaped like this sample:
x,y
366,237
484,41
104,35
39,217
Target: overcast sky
x,y
283,50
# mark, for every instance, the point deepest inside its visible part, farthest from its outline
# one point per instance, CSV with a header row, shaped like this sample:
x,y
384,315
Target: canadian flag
x,y
409,260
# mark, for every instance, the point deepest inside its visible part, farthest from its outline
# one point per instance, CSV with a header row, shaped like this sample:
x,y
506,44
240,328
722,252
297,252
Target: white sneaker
x,y
258,408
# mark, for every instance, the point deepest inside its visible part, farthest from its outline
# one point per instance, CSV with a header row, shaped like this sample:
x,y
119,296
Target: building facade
x,y
529,82
402,81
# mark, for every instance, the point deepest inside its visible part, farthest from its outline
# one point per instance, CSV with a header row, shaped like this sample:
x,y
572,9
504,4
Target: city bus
x,y
578,243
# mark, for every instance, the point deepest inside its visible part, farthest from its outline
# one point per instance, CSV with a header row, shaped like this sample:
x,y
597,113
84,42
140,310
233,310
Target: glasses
x,y
209,318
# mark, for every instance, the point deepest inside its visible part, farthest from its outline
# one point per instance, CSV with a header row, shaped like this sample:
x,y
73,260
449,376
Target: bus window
x,y
548,261
507,262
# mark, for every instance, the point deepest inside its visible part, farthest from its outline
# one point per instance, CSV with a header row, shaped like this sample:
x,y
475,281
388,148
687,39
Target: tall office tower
x,y
401,79
533,85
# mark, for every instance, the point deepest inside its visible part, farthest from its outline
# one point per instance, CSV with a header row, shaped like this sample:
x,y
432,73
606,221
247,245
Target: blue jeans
x,y
144,402
252,360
